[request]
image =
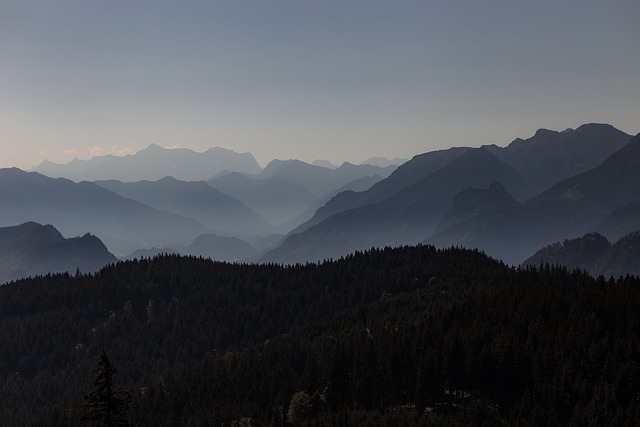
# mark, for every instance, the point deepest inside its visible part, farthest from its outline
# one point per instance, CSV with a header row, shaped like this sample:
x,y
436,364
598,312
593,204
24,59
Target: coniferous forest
x,y
410,336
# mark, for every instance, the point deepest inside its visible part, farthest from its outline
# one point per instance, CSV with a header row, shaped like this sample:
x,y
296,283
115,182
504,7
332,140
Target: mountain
x,y
321,180
620,221
286,190
276,199
154,163
623,258
568,209
383,161
404,218
411,172
472,202
582,253
195,199
302,221
324,163
220,248
32,249
549,156
122,224
593,253
606,187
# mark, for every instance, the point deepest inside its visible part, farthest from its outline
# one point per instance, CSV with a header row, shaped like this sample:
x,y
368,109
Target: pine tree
x,y
105,406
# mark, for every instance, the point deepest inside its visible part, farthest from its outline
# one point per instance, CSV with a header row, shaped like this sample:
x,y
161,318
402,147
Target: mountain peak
x,y
153,147
542,133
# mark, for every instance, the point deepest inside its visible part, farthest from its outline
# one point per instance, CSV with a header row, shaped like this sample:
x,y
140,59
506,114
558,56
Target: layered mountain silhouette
x,y
549,156
409,173
593,253
406,216
275,199
383,161
321,180
568,209
154,163
195,199
33,249
75,208
483,198
474,202
287,189
509,202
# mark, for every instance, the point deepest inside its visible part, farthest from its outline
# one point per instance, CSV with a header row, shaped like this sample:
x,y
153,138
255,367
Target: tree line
x,y
402,336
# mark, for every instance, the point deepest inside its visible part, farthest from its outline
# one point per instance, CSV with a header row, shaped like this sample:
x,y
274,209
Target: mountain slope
x,y
406,175
320,180
549,156
473,202
32,249
568,209
405,218
608,186
593,253
276,199
620,221
123,224
195,199
582,253
153,163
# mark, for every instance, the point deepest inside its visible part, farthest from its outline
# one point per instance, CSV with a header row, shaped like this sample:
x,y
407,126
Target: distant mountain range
x,y
197,200
287,189
570,208
593,253
484,198
549,156
154,163
32,249
74,208
404,217
507,201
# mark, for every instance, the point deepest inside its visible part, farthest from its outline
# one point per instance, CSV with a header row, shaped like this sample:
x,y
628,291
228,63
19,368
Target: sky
x,y
342,80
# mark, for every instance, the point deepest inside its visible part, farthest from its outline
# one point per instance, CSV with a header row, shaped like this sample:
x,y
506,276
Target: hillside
x,y
32,249
593,253
409,336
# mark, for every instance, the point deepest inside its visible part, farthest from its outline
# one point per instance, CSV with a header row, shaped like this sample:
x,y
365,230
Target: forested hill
x,y
411,335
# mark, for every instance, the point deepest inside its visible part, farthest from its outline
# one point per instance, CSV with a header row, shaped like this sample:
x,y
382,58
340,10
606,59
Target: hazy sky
x,y
338,80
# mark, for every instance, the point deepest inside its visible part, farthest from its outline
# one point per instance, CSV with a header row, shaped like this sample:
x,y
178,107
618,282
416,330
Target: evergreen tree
x,y
105,406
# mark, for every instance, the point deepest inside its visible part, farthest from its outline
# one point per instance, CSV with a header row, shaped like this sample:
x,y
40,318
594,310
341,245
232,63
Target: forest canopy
x,y
402,336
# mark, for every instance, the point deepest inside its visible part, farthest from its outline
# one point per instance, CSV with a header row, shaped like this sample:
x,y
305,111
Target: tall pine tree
x,y
105,406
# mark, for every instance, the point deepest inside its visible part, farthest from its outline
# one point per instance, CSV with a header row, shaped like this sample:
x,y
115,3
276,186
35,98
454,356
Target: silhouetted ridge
x,y
594,253
32,249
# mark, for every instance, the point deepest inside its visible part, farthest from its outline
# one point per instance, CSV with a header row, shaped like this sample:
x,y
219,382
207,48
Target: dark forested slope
x,y
406,336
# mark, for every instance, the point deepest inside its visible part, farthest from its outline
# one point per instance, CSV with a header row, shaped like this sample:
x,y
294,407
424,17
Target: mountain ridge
x,y
153,163
31,249
122,224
